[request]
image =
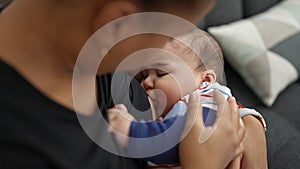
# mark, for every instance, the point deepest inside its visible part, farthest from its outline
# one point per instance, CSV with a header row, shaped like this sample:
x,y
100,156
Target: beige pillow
x,y
253,47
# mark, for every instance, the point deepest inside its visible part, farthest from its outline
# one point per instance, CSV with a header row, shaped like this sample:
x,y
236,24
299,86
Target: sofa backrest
x,y
227,11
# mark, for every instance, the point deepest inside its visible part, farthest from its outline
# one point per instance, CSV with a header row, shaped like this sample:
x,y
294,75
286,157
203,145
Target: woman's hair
x,y
203,48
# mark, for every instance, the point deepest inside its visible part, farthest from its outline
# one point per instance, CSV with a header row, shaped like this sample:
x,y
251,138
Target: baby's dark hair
x,y
202,47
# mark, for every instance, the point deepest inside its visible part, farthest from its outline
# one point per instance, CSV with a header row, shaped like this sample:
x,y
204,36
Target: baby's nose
x,y
148,84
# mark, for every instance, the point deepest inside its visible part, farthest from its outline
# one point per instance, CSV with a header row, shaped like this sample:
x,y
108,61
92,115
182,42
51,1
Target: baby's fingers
x,y
119,110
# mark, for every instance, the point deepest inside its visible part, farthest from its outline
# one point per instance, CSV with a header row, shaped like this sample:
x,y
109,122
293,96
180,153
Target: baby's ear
x,y
209,76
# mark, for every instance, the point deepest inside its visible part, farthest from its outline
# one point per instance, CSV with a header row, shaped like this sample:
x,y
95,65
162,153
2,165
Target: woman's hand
x,y
212,147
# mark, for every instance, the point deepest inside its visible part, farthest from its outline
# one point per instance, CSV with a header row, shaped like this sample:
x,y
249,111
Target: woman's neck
x,y
42,51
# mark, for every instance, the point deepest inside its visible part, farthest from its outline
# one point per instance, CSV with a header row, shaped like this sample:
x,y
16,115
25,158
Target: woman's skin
x,y
193,156
42,40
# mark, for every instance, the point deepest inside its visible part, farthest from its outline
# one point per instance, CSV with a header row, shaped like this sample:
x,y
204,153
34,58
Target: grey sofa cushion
x,y
224,12
290,50
227,11
283,120
282,142
252,7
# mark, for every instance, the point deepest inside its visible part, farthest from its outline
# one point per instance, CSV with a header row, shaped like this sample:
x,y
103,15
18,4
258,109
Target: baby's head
x,y
198,59
201,52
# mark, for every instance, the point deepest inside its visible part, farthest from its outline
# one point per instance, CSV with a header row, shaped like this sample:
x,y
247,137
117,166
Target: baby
x,y
167,83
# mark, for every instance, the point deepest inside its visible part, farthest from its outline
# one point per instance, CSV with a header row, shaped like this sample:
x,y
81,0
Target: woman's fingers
x,y
234,111
194,115
242,130
221,141
235,164
237,122
195,109
240,150
230,122
221,103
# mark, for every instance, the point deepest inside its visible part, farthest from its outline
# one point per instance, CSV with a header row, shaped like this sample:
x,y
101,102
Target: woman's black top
x,y
36,132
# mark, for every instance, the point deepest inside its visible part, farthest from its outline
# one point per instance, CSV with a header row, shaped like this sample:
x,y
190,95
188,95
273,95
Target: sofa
x,y
282,114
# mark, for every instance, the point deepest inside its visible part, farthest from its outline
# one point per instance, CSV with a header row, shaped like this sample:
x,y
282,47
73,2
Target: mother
x,y
39,45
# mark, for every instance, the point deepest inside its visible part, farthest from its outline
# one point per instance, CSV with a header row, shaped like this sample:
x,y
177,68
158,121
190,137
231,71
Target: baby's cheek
x,y
175,97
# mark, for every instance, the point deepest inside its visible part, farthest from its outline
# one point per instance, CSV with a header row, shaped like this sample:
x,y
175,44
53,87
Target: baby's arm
x,y
161,149
122,125
120,121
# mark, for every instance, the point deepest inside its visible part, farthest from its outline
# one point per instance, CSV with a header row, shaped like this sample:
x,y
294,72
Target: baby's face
x,y
166,81
162,89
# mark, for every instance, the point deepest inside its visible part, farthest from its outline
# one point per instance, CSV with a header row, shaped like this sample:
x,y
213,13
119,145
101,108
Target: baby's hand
x,y
120,120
